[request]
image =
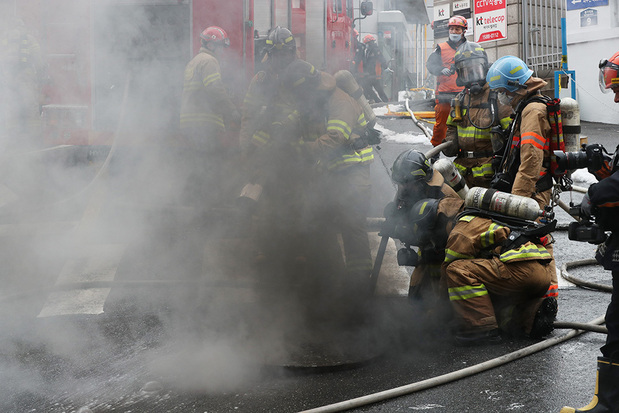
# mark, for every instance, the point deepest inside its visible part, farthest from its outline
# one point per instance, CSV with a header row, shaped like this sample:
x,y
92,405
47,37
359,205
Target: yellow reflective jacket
x,y
478,237
205,101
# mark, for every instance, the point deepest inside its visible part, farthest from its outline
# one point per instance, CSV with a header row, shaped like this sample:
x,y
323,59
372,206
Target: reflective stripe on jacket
x,y
472,236
332,142
476,169
205,100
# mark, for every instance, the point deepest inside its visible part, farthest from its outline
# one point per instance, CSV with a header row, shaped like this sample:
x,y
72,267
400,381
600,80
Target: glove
x,y
446,71
585,207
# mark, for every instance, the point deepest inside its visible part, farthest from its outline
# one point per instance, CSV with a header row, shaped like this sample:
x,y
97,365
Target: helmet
x,y
301,76
471,63
216,35
509,72
369,38
280,39
422,218
458,21
411,166
609,73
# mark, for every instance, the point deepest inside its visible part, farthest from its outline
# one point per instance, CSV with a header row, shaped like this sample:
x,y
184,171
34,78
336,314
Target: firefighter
x,y
483,266
333,141
417,180
21,76
528,171
262,95
475,112
373,64
440,65
357,64
206,111
601,201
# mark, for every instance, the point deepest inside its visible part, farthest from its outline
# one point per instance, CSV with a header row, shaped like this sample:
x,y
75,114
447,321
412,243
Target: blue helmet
x,y
508,72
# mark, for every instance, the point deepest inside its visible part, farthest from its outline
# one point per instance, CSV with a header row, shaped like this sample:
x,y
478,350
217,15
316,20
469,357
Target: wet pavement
x,y
145,333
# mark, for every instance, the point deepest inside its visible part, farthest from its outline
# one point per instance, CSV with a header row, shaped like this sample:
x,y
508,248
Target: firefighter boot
x,y
545,316
606,397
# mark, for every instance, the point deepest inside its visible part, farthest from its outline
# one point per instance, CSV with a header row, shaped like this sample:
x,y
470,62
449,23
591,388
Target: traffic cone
x,y
606,397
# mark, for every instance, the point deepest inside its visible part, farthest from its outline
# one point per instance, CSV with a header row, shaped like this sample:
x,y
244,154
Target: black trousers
x,y
611,348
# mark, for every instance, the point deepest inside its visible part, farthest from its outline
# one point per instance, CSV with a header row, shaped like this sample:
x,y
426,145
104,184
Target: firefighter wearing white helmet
x,y
525,170
206,111
416,180
475,111
440,65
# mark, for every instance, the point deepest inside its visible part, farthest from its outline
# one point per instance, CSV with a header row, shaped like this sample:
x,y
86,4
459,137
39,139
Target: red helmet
x,y
458,21
609,73
369,38
215,34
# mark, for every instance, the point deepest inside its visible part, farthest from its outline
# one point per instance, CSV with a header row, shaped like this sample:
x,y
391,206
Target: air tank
x,y
570,115
346,81
452,176
503,203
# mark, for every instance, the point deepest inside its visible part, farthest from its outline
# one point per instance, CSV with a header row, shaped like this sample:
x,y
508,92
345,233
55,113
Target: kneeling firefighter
x,y
416,180
497,267
475,111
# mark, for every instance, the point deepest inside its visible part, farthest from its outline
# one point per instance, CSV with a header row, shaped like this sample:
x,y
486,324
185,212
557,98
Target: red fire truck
x,y
118,64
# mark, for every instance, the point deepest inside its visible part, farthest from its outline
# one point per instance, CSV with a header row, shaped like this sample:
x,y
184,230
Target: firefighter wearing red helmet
x,y
373,64
440,65
601,201
206,111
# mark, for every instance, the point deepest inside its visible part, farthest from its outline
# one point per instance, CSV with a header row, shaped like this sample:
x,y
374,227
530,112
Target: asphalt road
x,y
106,308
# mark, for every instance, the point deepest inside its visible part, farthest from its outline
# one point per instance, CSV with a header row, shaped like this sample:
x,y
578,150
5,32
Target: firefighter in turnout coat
x,y
206,108
417,180
513,81
482,266
476,112
332,126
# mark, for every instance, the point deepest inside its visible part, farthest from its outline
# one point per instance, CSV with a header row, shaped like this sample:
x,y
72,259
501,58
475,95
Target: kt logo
x,y
479,21
441,12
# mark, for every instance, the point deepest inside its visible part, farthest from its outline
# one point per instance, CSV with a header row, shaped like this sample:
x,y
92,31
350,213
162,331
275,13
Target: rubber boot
x,y
606,397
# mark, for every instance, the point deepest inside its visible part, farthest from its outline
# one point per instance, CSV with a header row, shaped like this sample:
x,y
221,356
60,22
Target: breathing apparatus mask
x,y
471,63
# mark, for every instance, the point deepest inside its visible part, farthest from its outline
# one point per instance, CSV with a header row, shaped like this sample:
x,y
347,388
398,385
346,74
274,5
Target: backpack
x,y
510,162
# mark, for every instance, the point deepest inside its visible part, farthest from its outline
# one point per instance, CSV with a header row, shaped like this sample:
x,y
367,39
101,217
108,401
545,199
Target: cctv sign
x,y
490,20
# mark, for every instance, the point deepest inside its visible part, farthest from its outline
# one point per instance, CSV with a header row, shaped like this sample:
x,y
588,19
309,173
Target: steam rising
x,y
110,278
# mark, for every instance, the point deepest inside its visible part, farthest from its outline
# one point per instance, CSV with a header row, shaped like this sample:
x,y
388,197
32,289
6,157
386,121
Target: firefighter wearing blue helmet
x,y
525,168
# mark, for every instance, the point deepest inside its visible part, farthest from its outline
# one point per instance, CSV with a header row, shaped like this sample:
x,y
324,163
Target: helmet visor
x,y
471,71
609,76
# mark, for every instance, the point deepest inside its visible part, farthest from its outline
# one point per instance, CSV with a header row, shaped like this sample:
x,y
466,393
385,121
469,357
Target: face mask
x,y
455,37
504,99
475,89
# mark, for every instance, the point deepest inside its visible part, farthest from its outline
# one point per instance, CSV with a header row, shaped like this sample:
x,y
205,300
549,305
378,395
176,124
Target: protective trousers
x,y
348,202
441,113
474,283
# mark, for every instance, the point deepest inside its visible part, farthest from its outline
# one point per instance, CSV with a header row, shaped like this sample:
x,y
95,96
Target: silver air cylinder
x,y
452,176
346,81
503,203
570,115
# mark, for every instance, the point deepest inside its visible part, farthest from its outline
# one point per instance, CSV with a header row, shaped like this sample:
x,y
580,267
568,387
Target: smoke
x,y
115,269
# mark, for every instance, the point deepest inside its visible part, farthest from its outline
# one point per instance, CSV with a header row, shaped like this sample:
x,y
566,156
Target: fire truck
x,y
118,64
